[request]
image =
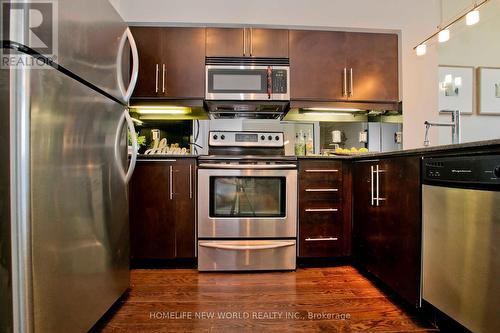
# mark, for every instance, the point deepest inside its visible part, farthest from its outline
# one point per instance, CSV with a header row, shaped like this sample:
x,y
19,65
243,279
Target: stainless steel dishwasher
x,y
461,239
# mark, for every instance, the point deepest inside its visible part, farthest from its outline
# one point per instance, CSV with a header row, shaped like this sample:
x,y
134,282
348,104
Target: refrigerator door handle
x,y
126,119
127,92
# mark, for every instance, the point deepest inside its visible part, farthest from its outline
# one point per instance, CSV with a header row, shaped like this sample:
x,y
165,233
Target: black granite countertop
x,y
486,146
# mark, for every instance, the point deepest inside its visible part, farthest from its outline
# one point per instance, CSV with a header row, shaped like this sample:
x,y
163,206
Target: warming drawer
x,y
246,255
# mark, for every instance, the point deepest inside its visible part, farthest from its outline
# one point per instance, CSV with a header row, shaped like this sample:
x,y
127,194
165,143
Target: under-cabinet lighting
x,y
335,110
162,110
329,113
472,17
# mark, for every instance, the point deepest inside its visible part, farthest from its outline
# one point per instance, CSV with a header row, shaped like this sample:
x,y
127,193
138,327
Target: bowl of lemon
x,y
352,151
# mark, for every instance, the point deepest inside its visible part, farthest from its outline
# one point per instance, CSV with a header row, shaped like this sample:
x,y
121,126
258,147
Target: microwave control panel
x,y
280,81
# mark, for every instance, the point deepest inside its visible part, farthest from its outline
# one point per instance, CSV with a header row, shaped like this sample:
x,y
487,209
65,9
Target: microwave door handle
x,y
269,82
244,42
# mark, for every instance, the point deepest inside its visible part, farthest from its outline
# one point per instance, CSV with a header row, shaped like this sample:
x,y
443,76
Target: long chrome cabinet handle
x,y
190,181
321,239
372,185
157,77
378,185
244,42
243,247
321,210
378,198
322,170
351,84
344,86
322,189
171,178
251,42
156,160
164,77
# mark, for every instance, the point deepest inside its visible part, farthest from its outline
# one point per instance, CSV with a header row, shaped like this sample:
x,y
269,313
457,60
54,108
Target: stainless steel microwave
x,y
247,82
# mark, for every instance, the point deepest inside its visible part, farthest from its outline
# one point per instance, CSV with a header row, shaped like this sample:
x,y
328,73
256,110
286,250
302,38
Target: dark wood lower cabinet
x,y
387,222
162,209
324,209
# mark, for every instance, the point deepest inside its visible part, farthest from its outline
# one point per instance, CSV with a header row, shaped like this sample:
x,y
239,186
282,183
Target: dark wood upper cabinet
x,y
387,236
343,66
246,42
317,63
225,42
148,43
184,59
268,43
162,209
373,61
171,62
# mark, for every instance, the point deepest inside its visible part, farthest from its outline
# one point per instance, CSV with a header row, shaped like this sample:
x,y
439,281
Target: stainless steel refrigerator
x,y
64,232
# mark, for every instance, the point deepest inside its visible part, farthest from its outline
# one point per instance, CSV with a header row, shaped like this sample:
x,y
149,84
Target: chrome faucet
x,y
456,135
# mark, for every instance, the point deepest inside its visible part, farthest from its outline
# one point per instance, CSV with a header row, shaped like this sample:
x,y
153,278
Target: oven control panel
x,y
245,139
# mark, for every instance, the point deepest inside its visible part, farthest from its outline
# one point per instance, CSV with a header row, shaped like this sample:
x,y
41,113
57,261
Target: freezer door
x,y
79,209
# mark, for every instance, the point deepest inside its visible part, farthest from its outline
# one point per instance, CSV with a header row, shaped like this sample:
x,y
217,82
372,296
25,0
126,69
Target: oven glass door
x,y
247,196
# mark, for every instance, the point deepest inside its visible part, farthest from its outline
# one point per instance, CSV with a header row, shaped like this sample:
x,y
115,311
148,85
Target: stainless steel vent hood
x,y
247,109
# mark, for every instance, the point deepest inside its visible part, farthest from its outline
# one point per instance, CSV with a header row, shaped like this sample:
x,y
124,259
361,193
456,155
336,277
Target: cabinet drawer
x,y
321,221
321,237
320,174
321,247
319,211
311,195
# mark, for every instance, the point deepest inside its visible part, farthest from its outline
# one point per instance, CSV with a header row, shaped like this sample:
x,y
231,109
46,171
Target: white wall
x,y
472,46
414,19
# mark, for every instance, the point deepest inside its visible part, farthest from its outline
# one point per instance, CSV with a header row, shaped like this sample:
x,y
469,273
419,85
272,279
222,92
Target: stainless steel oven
x,y
247,199
247,204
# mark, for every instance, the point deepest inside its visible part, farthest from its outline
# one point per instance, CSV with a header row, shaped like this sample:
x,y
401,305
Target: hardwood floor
x,y
333,299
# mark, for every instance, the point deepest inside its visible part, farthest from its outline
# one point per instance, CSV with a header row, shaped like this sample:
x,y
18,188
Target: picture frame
x,y
488,92
456,87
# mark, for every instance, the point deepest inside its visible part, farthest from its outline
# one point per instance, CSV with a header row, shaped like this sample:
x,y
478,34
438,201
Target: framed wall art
x,y
488,90
456,88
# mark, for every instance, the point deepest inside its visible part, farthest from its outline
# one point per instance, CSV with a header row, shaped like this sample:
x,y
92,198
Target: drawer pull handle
x,y
321,239
243,247
322,210
322,189
322,170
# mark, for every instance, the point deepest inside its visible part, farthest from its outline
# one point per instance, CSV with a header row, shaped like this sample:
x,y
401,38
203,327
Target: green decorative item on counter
x,y
141,140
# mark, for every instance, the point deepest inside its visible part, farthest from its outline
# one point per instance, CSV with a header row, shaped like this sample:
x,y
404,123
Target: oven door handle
x,y
247,166
222,246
